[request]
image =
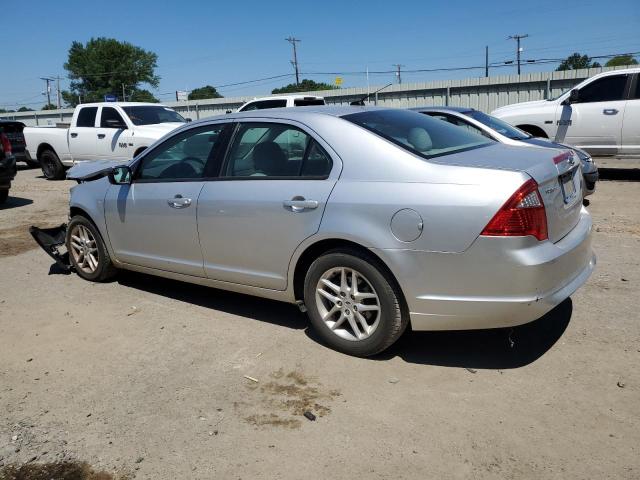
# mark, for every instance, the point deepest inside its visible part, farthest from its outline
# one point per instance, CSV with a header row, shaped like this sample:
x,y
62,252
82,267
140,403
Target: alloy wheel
x,y
348,304
84,249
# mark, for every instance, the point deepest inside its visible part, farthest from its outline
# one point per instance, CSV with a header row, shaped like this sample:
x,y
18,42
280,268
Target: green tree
x,y
139,95
2,110
306,85
576,61
50,106
621,60
104,65
204,92
25,109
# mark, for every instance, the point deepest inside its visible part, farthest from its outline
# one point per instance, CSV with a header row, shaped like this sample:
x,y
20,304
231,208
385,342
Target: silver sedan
x,y
369,219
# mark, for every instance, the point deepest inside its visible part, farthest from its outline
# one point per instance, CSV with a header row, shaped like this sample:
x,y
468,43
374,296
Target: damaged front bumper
x,y
53,241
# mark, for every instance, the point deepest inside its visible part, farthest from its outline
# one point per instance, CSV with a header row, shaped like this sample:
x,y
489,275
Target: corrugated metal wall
x,y
484,94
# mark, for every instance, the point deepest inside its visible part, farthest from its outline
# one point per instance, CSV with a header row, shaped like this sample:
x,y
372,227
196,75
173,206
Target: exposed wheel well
x,y
42,147
317,249
533,130
139,151
73,211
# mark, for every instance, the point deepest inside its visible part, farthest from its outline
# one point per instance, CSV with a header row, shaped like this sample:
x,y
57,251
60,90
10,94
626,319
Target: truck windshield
x,y
152,114
420,134
499,126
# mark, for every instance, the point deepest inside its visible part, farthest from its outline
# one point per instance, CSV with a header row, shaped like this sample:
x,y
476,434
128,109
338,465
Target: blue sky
x,y
207,42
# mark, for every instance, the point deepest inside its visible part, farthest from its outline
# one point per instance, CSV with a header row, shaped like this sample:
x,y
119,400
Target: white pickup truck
x,y
600,115
99,131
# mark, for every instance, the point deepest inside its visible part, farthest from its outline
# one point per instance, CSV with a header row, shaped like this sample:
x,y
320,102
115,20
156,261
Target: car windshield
x,y
417,133
499,126
152,114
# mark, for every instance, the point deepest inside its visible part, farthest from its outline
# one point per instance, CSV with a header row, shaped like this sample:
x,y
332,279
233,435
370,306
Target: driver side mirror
x,y
574,97
115,123
120,175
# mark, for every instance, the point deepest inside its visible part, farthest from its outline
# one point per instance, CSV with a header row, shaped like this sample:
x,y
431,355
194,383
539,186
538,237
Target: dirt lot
x,y
146,377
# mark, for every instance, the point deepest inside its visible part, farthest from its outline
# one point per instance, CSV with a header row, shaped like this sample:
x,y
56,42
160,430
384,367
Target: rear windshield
x,y
305,102
498,125
417,133
153,114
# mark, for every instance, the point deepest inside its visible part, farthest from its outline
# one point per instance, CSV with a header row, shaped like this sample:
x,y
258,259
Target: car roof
x,y
286,97
443,109
121,104
299,112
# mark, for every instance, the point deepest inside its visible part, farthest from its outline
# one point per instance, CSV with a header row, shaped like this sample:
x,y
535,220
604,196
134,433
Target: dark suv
x,y
7,166
14,132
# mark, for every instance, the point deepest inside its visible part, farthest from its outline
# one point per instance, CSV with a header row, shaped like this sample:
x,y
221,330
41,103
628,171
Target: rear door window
x,y
304,102
270,150
87,117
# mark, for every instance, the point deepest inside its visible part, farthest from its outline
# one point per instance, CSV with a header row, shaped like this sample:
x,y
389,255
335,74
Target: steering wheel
x,y
196,160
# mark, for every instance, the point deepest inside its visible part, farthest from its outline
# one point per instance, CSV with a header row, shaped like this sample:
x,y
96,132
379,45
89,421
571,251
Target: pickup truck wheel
x,y
87,252
4,194
51,165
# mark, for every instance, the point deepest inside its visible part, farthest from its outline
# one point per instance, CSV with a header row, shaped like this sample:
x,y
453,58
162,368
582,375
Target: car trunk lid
x,y
556,171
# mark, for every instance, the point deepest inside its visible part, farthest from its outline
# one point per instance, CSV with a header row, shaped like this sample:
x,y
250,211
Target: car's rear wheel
x,y
51,165
353,303
4,194
87,252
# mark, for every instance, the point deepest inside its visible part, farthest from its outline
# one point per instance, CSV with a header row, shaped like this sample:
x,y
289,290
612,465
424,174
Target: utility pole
x,y
294,62
398,74
486,61
124,97
47,80
58,92
517,38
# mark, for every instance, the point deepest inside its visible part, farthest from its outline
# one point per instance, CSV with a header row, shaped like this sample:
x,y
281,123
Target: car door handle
x,y
101,135
298,204
179,202
610,111
74,135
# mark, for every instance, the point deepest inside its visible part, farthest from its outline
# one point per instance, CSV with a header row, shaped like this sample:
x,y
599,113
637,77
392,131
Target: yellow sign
x,y
338,81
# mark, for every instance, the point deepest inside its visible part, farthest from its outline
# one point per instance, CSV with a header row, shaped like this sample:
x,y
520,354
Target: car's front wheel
x,y
87,252
353,303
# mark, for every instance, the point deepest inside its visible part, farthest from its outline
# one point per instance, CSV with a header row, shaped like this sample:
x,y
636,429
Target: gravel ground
x,y
147,377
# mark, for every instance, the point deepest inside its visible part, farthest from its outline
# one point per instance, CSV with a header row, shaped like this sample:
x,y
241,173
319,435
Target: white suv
x,y
600,115
281,101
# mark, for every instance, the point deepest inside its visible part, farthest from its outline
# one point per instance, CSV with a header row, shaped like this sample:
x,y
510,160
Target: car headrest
x,y
420,139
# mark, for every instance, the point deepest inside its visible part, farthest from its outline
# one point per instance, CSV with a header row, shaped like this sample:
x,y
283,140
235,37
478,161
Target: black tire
x,y
4,194
51,166
105,269
393,318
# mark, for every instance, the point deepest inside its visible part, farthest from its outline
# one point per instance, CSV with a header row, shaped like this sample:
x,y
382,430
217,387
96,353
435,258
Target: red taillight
x,y
6,144
523,214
